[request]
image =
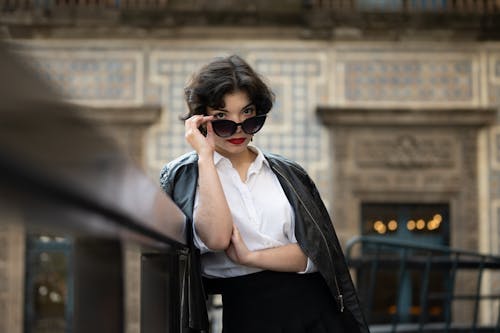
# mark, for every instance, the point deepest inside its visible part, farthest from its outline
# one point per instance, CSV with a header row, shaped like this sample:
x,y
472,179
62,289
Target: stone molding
x,y
144,115
127,126
357,116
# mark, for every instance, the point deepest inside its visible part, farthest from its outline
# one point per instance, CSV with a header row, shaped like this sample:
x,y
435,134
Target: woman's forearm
x,y
286,258
213,221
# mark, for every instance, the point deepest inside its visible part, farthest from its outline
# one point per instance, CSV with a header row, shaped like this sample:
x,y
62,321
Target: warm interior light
x,y
392,225
438,218
435,222
420,224
379,227
410,225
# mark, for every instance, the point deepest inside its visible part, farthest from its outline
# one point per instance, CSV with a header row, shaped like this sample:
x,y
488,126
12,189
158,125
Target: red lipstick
x,y
237,141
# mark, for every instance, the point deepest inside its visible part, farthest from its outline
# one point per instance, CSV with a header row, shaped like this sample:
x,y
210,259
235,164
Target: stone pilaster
x,y
12,247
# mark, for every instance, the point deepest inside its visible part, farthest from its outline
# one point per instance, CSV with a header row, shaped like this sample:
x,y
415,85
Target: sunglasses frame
x,y
235,125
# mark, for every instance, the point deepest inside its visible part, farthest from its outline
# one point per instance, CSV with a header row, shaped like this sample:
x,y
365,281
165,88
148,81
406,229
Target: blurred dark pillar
x,y
98,287
160,293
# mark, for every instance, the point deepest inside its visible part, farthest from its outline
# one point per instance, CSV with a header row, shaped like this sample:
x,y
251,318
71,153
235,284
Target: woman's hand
x,y
237,250
284,258
202,144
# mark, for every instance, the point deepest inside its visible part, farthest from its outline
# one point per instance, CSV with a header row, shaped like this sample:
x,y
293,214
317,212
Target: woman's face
x,y
237,108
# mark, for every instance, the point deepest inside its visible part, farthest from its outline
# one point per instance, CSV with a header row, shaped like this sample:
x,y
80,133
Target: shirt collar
x,y
218,158
259,160
254,167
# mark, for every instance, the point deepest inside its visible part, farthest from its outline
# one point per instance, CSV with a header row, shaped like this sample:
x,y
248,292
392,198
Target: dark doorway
x,y
49,285
424,224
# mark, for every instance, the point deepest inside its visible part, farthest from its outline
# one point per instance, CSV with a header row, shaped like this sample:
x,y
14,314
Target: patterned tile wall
x,y
406,78
101,76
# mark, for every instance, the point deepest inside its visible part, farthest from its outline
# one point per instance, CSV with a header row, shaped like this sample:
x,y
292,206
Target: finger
x,y
210,129
234,233
197,120
194,121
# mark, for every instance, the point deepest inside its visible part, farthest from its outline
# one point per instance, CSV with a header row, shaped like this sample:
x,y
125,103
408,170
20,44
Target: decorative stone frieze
x,y
405,151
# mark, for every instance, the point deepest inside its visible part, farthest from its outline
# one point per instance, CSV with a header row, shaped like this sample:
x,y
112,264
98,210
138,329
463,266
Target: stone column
x,y
128,126
12,247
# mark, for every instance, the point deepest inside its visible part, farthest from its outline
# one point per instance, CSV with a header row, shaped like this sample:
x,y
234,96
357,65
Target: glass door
x,y
49,285
424,224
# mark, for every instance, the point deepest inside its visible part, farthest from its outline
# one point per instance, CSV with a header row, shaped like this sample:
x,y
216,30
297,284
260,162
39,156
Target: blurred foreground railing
x,y
436,289
61,176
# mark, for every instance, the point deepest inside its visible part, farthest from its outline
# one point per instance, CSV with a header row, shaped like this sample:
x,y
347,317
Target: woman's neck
x,y
241,162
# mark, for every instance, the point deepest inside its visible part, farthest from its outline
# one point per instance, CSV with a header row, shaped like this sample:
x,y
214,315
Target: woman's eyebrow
x,y
247,106
243,108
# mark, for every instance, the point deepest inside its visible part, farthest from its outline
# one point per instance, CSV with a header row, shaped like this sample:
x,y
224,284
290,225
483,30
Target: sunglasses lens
x,y
224,128
253,125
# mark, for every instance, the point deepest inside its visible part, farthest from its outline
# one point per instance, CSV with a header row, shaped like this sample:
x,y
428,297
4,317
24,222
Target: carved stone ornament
x,y
404,151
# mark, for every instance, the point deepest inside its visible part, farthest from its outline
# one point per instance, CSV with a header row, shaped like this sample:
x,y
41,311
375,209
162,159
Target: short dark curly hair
x,y
223,76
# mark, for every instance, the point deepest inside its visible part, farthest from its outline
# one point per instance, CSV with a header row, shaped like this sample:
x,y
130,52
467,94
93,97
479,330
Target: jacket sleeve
x,y
194,311
166,180
355,319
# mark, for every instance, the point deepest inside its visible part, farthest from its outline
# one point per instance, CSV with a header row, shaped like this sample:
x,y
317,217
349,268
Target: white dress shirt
x,y
260,210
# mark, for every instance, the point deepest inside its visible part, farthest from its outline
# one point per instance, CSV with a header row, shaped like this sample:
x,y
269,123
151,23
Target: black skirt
x,y
274,302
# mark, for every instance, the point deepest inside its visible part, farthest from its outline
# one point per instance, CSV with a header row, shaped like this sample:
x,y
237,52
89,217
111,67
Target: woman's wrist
x,y
251,259
205,157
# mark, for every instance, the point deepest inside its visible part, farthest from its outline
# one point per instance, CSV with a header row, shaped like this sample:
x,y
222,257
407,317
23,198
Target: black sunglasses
x,y
225,128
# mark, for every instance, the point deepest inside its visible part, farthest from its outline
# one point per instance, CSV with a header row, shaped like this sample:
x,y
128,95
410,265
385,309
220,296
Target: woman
x,y
263,235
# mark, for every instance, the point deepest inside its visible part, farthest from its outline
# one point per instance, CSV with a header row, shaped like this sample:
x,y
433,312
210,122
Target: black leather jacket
x,y
313,229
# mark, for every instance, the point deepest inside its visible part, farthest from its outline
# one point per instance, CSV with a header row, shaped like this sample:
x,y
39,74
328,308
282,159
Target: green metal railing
x,y
462,275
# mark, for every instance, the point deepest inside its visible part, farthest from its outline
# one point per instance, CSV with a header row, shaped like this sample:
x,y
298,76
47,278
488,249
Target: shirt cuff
x,y
310,267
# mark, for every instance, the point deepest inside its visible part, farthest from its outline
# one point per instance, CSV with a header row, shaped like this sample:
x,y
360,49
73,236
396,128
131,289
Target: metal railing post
x,y
160,293
424,293
401,280
449,292
478,293
98,286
